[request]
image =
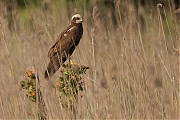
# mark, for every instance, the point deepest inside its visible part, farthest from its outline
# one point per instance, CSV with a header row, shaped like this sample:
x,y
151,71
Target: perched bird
x,y
65,45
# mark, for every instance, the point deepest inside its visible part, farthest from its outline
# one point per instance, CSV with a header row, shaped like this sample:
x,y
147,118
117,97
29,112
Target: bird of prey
x,y
65,45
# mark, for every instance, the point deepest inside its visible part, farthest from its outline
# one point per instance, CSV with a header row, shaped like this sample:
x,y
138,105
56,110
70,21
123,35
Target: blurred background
x,y
131,47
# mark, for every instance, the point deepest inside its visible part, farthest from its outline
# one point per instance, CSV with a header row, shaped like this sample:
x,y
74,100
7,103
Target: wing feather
x,y
64,43
59,51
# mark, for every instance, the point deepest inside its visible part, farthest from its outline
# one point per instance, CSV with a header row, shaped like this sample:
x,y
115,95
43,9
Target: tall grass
x,y
134,64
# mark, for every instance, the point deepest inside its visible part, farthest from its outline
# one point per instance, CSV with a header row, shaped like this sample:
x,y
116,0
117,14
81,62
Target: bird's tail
x,y
52,67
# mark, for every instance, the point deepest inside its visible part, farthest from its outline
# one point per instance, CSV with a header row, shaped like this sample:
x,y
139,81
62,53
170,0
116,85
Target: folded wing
x,y
58,53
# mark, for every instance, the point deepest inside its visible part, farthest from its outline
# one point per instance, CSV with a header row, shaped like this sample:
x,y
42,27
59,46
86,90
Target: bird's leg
x,y
71,62
69,59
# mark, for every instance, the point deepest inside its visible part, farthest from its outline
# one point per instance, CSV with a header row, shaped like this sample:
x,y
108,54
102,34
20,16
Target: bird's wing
x,y
59,51
64,43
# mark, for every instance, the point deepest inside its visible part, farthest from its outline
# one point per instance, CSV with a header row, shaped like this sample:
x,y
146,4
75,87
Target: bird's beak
x,y
80,20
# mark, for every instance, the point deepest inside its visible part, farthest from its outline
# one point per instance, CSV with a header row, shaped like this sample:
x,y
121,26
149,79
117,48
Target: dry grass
x,y
134,70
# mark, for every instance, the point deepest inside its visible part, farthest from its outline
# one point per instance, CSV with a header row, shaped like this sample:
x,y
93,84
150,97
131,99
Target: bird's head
x,y
77,18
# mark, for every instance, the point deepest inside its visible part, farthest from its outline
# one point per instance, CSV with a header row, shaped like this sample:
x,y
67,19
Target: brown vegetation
x,y
134,66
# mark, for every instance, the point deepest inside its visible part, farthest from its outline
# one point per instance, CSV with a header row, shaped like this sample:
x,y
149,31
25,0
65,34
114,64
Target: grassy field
x,y
134,63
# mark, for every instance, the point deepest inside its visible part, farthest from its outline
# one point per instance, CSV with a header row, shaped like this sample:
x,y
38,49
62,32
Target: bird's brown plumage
x,y
65,45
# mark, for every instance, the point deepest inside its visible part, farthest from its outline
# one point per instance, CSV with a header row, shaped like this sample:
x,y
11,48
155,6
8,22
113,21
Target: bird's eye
x,y
78,18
